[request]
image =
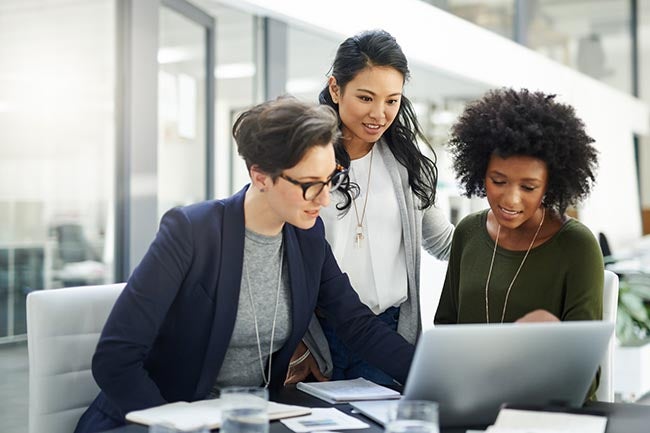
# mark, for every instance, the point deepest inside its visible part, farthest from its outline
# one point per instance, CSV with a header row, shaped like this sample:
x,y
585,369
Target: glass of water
x,y
413,416
244,410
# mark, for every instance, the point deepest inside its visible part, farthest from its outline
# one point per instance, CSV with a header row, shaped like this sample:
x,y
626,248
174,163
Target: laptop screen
x,y
472,369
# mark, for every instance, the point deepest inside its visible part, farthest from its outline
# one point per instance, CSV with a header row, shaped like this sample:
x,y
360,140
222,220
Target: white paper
x,y
322,419
529,421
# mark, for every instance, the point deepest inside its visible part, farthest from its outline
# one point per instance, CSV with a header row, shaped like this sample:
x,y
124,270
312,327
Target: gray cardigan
x,y
429,229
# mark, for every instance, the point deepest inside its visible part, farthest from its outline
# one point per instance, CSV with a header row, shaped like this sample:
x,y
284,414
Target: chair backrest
x,y
63,327
605,390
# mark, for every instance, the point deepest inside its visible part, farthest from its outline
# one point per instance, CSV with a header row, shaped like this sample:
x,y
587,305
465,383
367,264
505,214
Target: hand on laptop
x,y
538,316
300,369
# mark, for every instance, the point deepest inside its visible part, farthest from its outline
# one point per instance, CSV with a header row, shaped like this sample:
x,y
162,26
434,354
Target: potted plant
x,y
633,321
632,355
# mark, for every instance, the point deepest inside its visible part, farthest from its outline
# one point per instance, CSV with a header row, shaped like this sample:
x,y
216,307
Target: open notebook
x,y
186,416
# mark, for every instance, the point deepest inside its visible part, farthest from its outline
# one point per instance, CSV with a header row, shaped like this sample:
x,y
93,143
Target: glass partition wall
x,y
239,74
182,110
59,101
56,149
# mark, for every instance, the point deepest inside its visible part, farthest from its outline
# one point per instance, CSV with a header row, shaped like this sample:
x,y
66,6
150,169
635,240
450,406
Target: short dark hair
x,y
379,48
276,134
508,122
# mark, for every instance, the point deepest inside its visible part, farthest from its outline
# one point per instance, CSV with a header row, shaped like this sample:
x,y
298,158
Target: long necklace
x,y
358,237
487,283
265,376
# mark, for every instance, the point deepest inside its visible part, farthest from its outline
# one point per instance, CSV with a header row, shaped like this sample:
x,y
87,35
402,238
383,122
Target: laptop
x,y
472,369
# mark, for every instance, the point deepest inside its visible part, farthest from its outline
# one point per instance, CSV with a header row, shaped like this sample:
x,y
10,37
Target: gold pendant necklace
x,y
358,237
487,283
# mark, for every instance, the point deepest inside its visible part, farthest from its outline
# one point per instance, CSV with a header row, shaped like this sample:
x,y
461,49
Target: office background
x,y
112,111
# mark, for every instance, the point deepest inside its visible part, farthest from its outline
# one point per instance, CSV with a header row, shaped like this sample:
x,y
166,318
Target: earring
x,y
262,190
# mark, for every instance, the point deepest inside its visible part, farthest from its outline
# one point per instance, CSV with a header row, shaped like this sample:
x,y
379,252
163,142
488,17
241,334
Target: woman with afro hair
x,y
523,259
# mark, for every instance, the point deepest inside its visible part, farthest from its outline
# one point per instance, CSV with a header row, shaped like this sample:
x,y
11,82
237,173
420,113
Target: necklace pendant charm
x,y
358,237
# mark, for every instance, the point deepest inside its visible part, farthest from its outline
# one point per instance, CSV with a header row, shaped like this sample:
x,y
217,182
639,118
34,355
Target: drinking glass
x,y
413,416
244,410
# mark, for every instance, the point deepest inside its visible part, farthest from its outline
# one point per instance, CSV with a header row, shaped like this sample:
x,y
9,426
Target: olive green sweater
x,y
564,275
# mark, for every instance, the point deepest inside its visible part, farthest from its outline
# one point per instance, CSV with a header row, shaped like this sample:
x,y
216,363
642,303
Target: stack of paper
x,y
345,391
532,421
187,416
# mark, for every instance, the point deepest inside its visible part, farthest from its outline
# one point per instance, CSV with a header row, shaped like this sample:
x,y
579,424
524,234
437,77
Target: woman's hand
x,y
302,366
538,316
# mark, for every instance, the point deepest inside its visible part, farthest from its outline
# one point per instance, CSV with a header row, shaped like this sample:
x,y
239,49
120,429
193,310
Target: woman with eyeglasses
x,y
228,287
377,231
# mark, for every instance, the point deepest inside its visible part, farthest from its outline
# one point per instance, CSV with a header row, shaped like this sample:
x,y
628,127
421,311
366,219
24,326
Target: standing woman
x,y
377,233
228,287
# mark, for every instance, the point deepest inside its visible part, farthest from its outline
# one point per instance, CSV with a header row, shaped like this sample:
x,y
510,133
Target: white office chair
x,y
63,327
605,390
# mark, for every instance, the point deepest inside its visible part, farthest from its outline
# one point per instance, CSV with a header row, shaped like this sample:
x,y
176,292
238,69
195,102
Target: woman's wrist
x,y
300,359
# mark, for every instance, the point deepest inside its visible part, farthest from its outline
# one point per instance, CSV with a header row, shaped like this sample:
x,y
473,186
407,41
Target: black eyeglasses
x,y
311,190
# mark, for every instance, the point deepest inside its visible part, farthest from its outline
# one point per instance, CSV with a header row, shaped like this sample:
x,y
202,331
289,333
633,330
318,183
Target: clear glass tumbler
x,y
413,416
245,410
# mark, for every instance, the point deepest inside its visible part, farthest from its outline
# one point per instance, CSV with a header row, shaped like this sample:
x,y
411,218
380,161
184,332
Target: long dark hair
x,y
379,48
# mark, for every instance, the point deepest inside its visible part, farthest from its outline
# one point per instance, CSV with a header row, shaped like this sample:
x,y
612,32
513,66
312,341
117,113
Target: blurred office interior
x,y
112,111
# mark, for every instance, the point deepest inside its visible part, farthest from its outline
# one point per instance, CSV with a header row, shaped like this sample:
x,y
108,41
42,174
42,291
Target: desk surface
x,y
622,417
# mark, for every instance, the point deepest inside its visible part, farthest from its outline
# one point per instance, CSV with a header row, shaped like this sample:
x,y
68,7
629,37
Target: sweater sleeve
x,y
316,342
447,312
437,233
583,298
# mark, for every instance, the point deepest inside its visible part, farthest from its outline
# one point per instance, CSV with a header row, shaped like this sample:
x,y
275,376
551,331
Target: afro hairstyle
x,y
507,122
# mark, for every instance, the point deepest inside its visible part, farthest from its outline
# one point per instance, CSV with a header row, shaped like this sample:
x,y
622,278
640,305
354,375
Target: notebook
x,y
471,370
345,391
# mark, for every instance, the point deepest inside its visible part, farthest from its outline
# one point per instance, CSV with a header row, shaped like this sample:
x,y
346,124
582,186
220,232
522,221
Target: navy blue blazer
x,y
167,335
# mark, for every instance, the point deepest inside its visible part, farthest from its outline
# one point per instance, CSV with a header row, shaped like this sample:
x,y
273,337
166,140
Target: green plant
x,y
633,321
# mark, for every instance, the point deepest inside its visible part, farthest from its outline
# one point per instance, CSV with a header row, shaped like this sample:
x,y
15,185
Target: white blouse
x,y
376,268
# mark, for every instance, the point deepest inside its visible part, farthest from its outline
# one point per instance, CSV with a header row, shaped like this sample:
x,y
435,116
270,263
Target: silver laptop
x,y
471,370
